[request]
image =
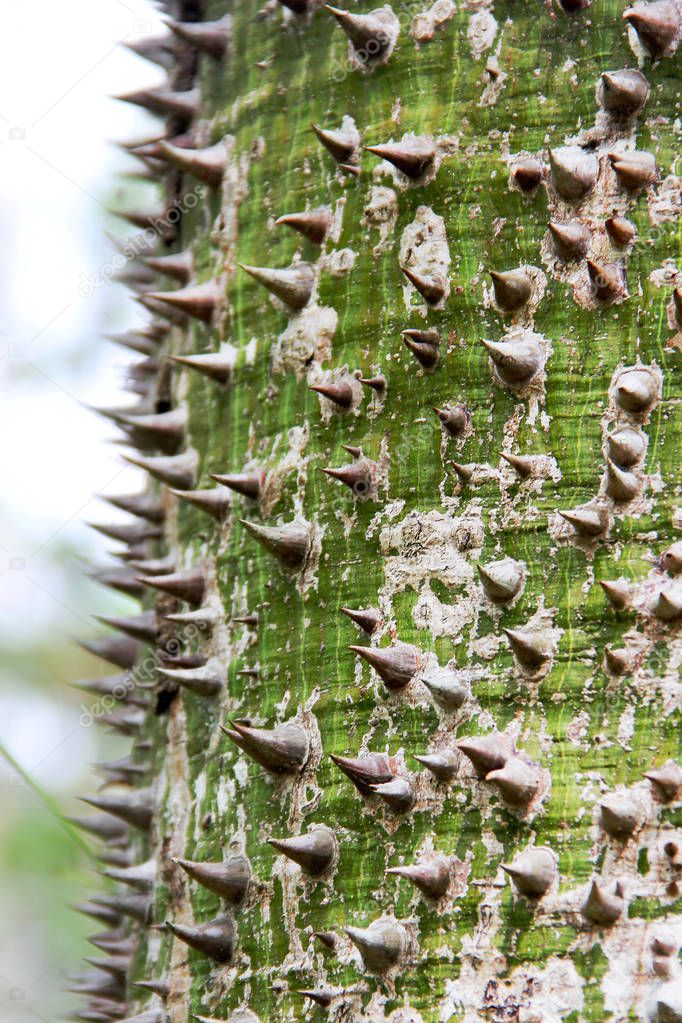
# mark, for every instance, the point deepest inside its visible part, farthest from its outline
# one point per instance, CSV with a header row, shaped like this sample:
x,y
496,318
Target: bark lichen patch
x,y
481,32
424,250
426,23
306,340
381,213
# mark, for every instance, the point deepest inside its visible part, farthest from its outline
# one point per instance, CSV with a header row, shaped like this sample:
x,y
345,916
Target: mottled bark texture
x,y
412,378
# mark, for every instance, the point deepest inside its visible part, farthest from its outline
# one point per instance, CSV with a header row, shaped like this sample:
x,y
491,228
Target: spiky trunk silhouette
x,y
404,693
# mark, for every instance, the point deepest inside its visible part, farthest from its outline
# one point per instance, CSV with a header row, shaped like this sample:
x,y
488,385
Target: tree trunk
x,y
504,841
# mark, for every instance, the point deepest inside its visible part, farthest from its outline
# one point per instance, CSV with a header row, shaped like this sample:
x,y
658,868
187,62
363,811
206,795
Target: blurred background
x,y
60,176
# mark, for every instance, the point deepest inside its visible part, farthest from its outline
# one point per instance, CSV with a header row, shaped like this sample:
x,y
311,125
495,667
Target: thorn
x,y
213,502
528,174
573,171
626,446
575,6
532,871
396,665
160,987
668,605
214,939
119,650
621,485
442,764
123,771
671,559
108,829
634,169
137,907
620,230
197,300
136,808
144,506
517,781
588,521
176,265
677,305
140,875
207,164
121,687
283,748
116,966
142,626
366,32
248,619
129,533
432,877
636,390
657,25
368,618
155,566
397,793
343,145
668,1003
531,648
619,815
312,224
522,465
432,287
166,102
623,92
453,418
189,586
447,688
133,341
486,752
518,361
465,471
382,945
501,580
423,344
216,366
210,37
101,913
377,384
602,907
571,240
157,49
667,780
318,995
618,592
289,543
357,476
367,771
293,285
314,852
179,471
512,288
413,157
618,661
326,938
246,484
201,681
164,431
607,280
230,880
339,393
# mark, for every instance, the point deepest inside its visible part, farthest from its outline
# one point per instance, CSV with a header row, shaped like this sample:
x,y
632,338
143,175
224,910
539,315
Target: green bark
x,y
413,547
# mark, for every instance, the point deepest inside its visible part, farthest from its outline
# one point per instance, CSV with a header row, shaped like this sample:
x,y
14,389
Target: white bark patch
x,y
338,262
306,339
481,33
528,994
426,23
424,249
381,213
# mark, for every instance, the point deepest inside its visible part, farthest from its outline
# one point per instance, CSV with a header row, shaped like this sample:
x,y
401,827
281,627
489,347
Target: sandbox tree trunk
x,y
581,696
